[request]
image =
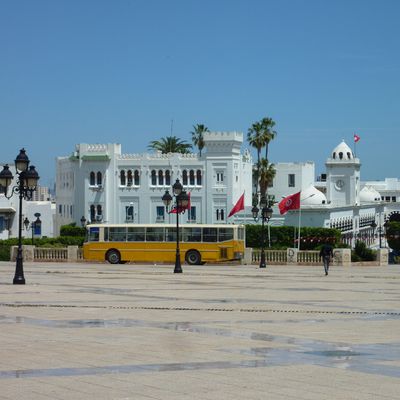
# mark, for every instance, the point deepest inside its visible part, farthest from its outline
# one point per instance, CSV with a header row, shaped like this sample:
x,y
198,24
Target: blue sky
x,y
97,71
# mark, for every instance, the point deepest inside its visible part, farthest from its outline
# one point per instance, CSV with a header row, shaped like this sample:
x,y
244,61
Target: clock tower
x,y
343,177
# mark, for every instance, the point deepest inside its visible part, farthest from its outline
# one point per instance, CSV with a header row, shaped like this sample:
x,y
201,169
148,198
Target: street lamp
x,y
26,184
266,214
83,221
181,204
34,226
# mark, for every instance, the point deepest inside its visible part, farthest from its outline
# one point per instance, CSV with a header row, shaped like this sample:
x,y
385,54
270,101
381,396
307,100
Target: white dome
x,y
312,197
368,195
342,152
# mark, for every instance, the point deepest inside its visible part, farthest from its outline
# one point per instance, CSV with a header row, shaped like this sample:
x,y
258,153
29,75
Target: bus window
x,y
170,234
117,234
191,235
135,235
225,234
209,234
240,233
94,234
155,235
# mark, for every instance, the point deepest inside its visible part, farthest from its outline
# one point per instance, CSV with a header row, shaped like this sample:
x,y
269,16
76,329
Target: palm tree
x,y
170,144
198,136
255,140
267,175
267,133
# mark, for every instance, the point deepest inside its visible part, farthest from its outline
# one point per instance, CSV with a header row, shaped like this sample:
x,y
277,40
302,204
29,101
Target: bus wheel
x,y
193,257
113,256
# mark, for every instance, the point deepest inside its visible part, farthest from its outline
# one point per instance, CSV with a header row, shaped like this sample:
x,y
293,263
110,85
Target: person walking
x,y
326,254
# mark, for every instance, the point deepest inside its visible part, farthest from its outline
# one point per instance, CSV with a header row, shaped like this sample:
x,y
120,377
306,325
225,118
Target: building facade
x,y
101,184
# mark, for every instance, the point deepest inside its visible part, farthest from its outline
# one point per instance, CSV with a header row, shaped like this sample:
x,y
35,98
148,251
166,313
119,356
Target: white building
x,y
338,199
100,183
9,213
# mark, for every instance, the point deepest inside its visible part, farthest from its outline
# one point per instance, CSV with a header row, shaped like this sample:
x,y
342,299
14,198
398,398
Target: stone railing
x,y
306,257
33,253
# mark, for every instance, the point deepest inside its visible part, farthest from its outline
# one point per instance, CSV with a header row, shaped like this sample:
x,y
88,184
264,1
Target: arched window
x,y
92,178
184,177
129,178
92,213
99,216
153,177
122,178
198,177
99,178
334,155
136,177
167,177
341,155
349,155
191,177
160,178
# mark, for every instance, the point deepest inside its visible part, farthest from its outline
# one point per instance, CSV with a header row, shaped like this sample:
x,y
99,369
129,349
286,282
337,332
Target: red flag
x,y
356,138
181,209
291,202
238,206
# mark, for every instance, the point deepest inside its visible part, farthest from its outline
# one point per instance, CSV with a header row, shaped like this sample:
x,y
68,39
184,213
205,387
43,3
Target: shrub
x,y
362,253
282,237
72,230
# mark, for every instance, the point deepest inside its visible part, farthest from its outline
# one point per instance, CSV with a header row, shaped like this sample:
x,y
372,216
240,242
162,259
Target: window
x,y
99,178
160,178
220,177
92,179
129,213
153,178
291,180
135,234
155,234
92,213
167,177
184,178
225,234
60,209
93,234
209,234
117,234
220,214
99,213
136,176
191,235
394,198
192,214
160,210
198,176
191,177
1,224
122,178
129,178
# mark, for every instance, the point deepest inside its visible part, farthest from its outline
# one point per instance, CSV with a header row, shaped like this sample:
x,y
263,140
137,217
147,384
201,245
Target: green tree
x,y
267,133
198,136
170,144
259,136
255,140
267,174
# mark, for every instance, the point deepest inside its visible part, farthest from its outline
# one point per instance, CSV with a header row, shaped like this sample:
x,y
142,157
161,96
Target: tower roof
x,y
342,152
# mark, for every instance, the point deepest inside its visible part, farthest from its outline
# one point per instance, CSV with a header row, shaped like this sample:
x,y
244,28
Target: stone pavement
x,y
98,331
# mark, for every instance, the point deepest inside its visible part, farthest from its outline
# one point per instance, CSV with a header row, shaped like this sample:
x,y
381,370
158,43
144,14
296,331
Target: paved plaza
x,y
100,331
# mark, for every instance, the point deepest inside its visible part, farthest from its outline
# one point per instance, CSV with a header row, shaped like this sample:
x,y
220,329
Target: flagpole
x,y
299,235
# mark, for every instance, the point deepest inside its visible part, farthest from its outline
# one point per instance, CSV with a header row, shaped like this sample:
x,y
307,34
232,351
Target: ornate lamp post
x,y
26,184
181,203
34,226
266,214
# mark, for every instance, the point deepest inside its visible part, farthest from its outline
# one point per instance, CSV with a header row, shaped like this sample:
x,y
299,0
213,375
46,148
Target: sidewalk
x,y
100,331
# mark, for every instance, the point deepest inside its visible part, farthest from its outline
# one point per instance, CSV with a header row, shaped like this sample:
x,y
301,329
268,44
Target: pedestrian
x,y
327,254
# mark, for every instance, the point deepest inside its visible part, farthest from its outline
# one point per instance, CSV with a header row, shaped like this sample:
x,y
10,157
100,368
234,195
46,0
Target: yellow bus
x,y
121,243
